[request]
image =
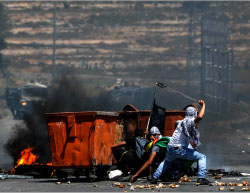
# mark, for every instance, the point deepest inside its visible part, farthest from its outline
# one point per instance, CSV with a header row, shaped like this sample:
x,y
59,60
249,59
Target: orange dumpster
x,y
83,140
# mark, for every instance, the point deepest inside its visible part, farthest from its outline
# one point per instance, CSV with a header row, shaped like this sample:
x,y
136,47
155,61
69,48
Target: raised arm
x,y
201,112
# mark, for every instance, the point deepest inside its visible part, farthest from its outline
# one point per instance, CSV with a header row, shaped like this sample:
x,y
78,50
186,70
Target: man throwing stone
x,y
185,132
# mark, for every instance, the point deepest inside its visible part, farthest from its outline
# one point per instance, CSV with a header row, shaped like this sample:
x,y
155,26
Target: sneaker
x,y
203,181
153,181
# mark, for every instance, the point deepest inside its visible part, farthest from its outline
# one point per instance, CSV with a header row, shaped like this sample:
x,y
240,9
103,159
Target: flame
x,y
27,157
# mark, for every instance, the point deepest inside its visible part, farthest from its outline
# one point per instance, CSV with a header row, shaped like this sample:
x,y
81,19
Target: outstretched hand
x,y
133,178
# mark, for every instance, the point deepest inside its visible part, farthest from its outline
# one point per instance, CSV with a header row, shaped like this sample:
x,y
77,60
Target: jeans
x,y
182,153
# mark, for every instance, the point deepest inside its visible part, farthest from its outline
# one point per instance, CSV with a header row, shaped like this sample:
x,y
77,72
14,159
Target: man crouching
x,y
185,132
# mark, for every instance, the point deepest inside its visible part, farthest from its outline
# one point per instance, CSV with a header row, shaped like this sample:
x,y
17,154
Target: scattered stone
x,y
221,184
58,183
245,183
245,189
186,179
116,184
221,188
68,182
132,188
173,186
233,184
162,185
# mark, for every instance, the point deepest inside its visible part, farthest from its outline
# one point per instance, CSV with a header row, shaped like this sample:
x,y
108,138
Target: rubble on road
x,y
146,186
132,188
233,184
243,186
184,179
245,183
218,184
222,188
116,184
245,189
162,185
174,185
122,186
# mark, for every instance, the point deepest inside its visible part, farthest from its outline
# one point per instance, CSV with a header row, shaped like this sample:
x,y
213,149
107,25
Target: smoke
x,y
67,93
223,141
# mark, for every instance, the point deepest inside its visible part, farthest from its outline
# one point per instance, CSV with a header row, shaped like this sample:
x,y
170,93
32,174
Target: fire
x,y
27,157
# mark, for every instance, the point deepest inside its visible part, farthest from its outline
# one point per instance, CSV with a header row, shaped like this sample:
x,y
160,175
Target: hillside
x,y
113,35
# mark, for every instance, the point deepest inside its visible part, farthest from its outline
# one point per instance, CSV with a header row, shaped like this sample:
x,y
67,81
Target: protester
x,y
130,154
157,152
185,132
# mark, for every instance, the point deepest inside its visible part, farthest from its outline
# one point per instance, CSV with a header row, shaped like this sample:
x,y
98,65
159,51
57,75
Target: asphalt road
x,y
44,185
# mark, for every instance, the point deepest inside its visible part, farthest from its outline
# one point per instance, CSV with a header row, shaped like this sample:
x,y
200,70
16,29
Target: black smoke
x,y
66,94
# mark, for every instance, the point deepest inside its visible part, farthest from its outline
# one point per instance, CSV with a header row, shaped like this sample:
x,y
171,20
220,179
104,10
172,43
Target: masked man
x,y
185,132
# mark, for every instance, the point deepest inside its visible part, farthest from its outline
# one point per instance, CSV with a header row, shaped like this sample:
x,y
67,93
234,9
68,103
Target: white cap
x,y
154,130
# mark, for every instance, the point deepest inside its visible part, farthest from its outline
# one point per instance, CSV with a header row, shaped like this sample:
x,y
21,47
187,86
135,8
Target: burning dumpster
x,y
82,141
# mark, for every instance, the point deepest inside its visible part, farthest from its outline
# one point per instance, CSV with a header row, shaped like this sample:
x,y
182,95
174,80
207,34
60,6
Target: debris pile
x,y
244,185
184,179
245,189
146,186
174,185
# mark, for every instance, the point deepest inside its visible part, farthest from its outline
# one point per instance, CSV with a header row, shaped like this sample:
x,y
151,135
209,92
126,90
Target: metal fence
x,y
216,65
